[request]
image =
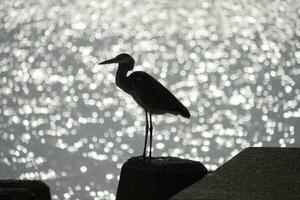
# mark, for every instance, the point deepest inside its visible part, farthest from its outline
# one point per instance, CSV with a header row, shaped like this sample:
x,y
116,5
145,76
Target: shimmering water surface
x,y
234,64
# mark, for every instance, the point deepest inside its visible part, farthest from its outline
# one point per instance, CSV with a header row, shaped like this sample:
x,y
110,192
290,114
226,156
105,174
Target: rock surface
x,y
17,194
37,188
255,173
159,179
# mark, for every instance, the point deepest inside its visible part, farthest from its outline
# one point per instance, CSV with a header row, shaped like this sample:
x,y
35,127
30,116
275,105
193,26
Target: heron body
x,y
151,95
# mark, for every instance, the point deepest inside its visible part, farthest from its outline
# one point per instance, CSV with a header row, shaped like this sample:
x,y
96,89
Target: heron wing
x,y
155,95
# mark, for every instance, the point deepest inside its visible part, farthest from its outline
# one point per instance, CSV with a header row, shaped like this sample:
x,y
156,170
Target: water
x,y
234,64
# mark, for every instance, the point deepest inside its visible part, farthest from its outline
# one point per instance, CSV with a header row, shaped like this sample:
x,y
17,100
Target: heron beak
x,y
114,60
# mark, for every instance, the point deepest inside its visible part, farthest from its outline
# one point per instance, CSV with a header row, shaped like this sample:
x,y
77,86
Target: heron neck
x,y
122,80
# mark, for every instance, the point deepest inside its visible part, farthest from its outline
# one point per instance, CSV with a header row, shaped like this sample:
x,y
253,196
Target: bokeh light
x,y
234,64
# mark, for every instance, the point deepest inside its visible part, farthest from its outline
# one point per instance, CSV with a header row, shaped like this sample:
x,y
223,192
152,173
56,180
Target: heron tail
x,y
185,113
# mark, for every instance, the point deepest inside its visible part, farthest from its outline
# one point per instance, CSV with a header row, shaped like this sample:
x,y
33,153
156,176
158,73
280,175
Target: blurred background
x,y
234,64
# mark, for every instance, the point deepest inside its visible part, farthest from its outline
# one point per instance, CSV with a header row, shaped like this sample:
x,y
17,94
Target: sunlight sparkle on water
x,y
63,120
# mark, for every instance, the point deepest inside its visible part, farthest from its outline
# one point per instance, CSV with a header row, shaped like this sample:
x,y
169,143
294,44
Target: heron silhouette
x,y
151,95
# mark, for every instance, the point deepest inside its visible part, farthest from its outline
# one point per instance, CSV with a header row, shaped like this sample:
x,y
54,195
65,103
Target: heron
x,y
150,94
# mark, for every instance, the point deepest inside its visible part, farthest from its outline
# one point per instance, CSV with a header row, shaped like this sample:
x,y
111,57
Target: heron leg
x,y
151,131
146,134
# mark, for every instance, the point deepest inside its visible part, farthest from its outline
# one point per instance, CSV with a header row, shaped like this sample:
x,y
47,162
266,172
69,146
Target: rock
x,y
157,180
39,188
268,173
17,194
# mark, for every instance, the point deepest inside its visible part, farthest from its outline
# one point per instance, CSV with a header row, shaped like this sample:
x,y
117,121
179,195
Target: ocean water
x,y
234,64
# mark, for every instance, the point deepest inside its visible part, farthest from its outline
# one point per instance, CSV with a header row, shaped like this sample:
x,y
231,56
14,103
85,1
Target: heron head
x,y
124,59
